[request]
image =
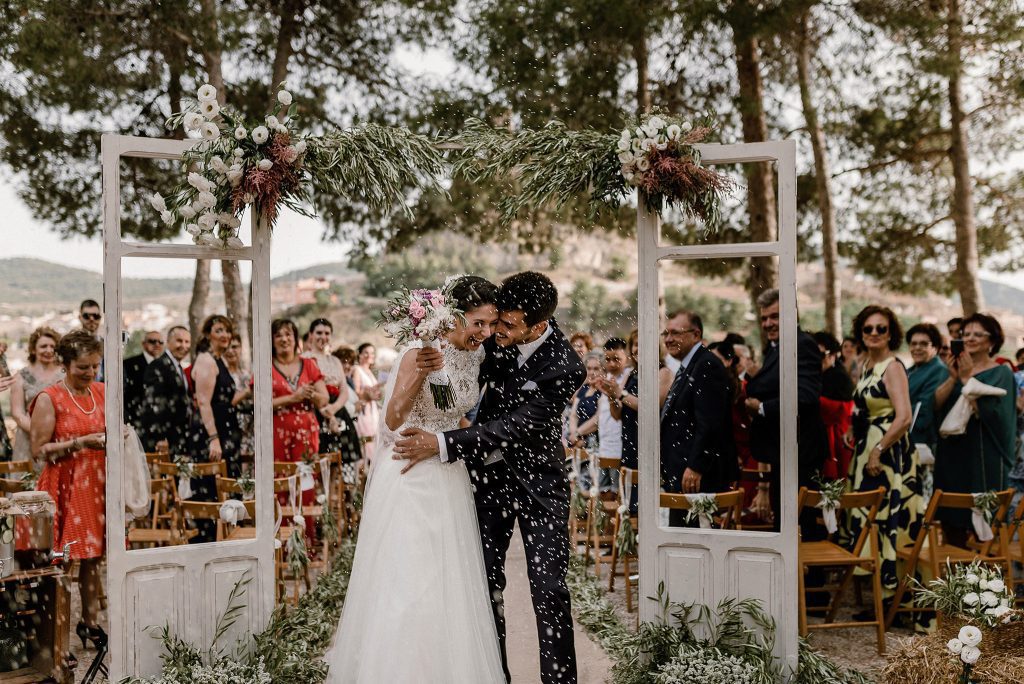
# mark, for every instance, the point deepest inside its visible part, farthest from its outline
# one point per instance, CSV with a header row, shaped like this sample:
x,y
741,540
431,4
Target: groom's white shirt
x,y
525,352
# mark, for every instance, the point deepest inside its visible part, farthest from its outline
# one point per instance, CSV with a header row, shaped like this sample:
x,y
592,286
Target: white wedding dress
x,y
417,608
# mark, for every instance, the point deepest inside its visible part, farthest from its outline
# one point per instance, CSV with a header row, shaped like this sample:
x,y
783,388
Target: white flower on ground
x,y
260,135
983,584
996,585
989,599
272,121
970,654
971,599
955,646
299,520
157,202
167,217
209,108
187,212
234,176
321,499
300,147
673,132
624,144
233,243
970,635
192,121
240,134
284,97
971,578
193,229
265,164
209,131
206,93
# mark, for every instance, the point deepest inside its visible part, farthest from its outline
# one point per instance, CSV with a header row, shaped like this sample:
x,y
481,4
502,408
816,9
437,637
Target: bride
x,y
417,607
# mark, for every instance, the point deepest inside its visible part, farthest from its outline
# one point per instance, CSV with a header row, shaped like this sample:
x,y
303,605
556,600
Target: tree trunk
x,y
290,11
640,55
212,58
963,199
829,245
234,299
200,294
761,206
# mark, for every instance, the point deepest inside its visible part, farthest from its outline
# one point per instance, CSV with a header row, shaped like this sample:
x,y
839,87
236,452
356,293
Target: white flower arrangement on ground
x,y
237,164
965,645
424,316
703,665
976,592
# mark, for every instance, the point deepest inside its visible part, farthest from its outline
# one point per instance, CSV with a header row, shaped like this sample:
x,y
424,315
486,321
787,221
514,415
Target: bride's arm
x,y
413,370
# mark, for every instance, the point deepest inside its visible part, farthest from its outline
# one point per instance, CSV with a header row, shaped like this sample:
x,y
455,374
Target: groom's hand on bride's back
x,y
416,445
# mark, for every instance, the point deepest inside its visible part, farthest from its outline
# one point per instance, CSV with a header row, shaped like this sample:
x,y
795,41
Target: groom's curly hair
x,y
471,292
530,292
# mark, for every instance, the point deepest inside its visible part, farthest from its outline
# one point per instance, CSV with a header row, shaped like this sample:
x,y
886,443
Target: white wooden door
x,y
182,587
700,565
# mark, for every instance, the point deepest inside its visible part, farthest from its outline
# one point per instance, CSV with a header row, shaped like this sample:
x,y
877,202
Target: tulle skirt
x,y
417,608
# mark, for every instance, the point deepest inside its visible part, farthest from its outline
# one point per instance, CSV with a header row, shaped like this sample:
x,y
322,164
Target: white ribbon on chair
x,y
293,493
595,477
627,489
306,480
325,475
233,511
704,520
184,487
981,527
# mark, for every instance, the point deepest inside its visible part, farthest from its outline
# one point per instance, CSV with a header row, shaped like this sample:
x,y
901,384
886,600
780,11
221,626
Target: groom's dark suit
x,y
520,415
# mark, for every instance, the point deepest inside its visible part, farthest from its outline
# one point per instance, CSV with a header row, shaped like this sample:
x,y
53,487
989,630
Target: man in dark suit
x,y
134,376
517,462
697,449
167,406
765,408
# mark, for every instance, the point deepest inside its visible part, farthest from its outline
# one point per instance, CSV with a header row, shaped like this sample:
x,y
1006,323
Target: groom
x,y
516,459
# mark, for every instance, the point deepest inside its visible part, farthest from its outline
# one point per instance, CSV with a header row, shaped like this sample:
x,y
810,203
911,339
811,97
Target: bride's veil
x,y
386,437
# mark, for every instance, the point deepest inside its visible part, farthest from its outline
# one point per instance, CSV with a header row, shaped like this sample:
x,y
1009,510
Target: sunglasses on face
x,y
876,329
154,341
92,316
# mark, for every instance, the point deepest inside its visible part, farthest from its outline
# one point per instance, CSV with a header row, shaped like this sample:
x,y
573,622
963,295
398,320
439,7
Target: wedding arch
x,y
233,165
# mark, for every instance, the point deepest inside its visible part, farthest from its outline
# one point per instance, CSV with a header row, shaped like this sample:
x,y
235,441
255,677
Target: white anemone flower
x,y
983,584
192,121
260,134
209,108
996,585
240,134
955,646
272,121
623,145
284,97
265,164
971,599
157,202
209,131
673,132
970,654
970,635
657,122
207,93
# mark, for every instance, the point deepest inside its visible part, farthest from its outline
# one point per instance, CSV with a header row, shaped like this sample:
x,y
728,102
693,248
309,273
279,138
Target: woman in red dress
x,y
68,433
298,392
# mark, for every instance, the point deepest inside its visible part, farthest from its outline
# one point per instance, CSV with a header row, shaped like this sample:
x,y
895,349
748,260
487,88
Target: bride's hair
x,y
471,292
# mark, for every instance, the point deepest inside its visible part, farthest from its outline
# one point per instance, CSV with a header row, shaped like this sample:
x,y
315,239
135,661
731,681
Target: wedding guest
x,y
852,358
954,326
582,342
68,435
242,400
584,404
980,459
43,370
609,431
368,391
331,428
167,406
6,380
697,452
836,406
945,354
1016,476
765,409
883,453
352,450
927,373
90,316
134,369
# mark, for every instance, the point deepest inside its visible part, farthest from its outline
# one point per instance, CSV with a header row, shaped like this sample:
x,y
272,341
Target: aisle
x,y
593,664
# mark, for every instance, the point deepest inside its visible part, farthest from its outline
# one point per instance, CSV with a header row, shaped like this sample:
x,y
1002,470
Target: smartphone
x,y
956,347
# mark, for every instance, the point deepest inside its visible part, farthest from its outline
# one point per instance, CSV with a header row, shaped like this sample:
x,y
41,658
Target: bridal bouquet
x,y
425,316
658,156
237,164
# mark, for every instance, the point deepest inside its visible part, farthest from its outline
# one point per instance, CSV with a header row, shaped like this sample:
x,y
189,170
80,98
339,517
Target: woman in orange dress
x,y
68,433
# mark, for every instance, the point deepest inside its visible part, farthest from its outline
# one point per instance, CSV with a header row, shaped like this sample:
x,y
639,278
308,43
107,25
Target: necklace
x,y
72,395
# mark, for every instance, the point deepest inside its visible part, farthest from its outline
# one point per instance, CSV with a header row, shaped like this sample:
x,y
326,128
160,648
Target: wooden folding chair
x,y
13,467
210,510
632,476
598,510
1015,545
828,554
937,553
164,526
9,485
730,507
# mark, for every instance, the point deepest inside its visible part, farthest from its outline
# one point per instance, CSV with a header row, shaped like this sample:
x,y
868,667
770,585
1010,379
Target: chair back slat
x,y
613,463
198,469
285,468
8,467
8,485
731,502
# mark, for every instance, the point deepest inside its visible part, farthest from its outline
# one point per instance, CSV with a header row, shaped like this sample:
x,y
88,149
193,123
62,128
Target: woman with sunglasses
x,y
980,459
883,453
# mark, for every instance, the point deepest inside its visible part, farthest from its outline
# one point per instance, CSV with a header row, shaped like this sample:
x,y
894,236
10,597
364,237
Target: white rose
x,y
626,157
167,217
208,221
265,164
649,144
192,121
686,126
157,202
321,499
206,93
623,144
970,654
272,121
673,132
234,176
282,129
239,152
996,585
209,108
205,200
233,243
260,135
284,97
642,164
193,229
299,520
240,134
989,599
197,181
971,599
626,134
983,584
187,212
300,146
970,635
657,122
209,131
218,165
955,646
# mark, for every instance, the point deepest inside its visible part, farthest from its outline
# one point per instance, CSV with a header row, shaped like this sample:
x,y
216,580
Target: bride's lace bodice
x,y
463,369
